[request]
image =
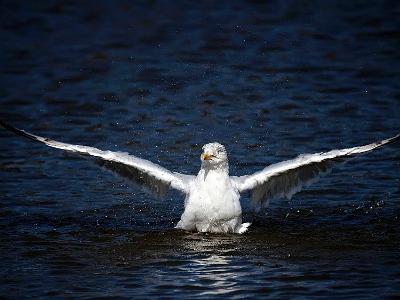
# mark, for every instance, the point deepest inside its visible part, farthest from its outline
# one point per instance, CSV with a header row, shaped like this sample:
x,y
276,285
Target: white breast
x,y
212,204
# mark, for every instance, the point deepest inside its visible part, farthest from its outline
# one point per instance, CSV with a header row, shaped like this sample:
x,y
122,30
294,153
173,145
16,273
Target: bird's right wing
x,y
149,175
286,178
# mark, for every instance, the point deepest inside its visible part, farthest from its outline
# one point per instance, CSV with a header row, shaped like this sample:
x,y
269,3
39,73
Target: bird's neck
x,y
218,169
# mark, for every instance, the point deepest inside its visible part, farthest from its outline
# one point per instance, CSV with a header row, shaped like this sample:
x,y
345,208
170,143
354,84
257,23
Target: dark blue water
x,y
159,79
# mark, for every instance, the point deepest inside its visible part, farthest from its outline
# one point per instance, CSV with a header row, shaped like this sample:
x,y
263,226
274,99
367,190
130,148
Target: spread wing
x,y
284,179
152,177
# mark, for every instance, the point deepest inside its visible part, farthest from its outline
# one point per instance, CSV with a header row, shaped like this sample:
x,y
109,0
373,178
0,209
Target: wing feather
x,y
140,171
284,179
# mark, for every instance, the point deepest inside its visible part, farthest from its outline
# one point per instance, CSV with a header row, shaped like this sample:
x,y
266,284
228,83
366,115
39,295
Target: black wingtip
x,y
394,139
9,127
17,131
4,124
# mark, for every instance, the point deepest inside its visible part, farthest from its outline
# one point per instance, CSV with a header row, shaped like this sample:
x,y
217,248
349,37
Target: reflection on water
x,y
217,270
212,268
159,79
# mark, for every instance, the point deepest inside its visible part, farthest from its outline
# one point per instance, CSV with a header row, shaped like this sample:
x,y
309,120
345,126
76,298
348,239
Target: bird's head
x,y
214,154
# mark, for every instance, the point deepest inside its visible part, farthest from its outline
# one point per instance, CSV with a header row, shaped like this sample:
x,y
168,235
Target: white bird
x,y
212,196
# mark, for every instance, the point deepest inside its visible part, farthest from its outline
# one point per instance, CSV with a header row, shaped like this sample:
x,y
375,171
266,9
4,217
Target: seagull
x,y
212,197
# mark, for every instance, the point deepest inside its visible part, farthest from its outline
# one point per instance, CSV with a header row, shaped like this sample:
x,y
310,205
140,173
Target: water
x,y
159,80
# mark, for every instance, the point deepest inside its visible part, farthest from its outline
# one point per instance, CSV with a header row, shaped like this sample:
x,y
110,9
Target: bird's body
x,y
212,198
212,205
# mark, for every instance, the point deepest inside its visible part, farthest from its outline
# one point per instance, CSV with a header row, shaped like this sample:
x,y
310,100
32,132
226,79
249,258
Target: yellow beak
x,y
206,156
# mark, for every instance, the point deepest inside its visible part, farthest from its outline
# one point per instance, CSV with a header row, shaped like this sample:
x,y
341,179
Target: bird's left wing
x,y
284,179
151,176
